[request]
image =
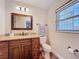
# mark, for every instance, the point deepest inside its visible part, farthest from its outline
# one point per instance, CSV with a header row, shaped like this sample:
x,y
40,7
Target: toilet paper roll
x,y
71,50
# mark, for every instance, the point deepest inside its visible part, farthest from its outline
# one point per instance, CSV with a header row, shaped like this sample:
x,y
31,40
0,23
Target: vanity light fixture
x,y
24,9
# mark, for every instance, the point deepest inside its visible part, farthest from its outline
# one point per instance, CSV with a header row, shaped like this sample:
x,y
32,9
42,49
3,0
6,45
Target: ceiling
x,y
45,4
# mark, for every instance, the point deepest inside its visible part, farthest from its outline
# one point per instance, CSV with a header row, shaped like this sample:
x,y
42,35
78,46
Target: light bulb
x,y
27,9
23,9
18,8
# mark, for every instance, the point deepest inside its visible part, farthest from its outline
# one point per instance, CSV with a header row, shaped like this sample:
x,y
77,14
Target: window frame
x,y
60,9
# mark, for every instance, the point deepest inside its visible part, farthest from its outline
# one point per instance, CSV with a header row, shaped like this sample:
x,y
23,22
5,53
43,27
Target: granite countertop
x,y
8,38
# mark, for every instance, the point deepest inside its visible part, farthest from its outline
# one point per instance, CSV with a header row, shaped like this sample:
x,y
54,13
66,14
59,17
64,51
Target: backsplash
x,y
23,33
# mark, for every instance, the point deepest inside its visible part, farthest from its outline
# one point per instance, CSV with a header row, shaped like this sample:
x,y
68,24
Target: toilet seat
x,y
46,46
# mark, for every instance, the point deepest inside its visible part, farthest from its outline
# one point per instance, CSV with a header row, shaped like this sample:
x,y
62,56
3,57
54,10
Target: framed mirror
x,y
21,22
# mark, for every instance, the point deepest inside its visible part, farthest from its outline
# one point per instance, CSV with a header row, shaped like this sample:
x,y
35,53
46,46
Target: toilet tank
x,y
43,40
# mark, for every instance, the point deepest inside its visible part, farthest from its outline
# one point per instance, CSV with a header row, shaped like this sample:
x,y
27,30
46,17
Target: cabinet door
x,y
3,50
35,48
14,50
26,49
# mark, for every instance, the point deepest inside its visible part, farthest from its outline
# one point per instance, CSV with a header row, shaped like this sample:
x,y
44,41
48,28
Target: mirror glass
x,y
20,21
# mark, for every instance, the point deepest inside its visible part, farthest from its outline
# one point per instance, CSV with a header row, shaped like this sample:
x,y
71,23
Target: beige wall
x,y
39,15
2,17
60,41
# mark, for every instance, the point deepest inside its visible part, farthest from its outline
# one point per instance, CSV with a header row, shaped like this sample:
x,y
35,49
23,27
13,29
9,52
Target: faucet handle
x,y
23,33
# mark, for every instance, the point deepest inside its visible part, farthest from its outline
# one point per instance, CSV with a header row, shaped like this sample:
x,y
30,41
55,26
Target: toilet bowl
x,y
46,47
47,50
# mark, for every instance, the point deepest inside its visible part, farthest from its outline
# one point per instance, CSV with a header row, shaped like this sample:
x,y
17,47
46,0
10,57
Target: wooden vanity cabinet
x,y
3,50
28,48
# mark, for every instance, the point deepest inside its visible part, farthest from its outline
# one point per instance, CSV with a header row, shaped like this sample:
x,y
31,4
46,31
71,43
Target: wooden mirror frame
x,y
12,22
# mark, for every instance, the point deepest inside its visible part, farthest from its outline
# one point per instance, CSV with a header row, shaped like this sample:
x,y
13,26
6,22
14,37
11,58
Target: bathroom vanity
x,y
20,45
19,48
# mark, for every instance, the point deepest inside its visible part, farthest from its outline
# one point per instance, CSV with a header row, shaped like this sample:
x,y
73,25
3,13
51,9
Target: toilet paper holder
x,y
72,50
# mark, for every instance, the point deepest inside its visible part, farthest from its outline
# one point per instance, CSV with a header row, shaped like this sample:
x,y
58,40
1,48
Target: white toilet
x,y
46,47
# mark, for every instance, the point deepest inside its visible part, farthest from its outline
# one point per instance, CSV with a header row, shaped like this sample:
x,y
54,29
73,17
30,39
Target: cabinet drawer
x,y
14,43
26,41
36,46
3,44
35,40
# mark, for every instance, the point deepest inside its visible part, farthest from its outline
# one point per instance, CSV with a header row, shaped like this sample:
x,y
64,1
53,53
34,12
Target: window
x,y
68,17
